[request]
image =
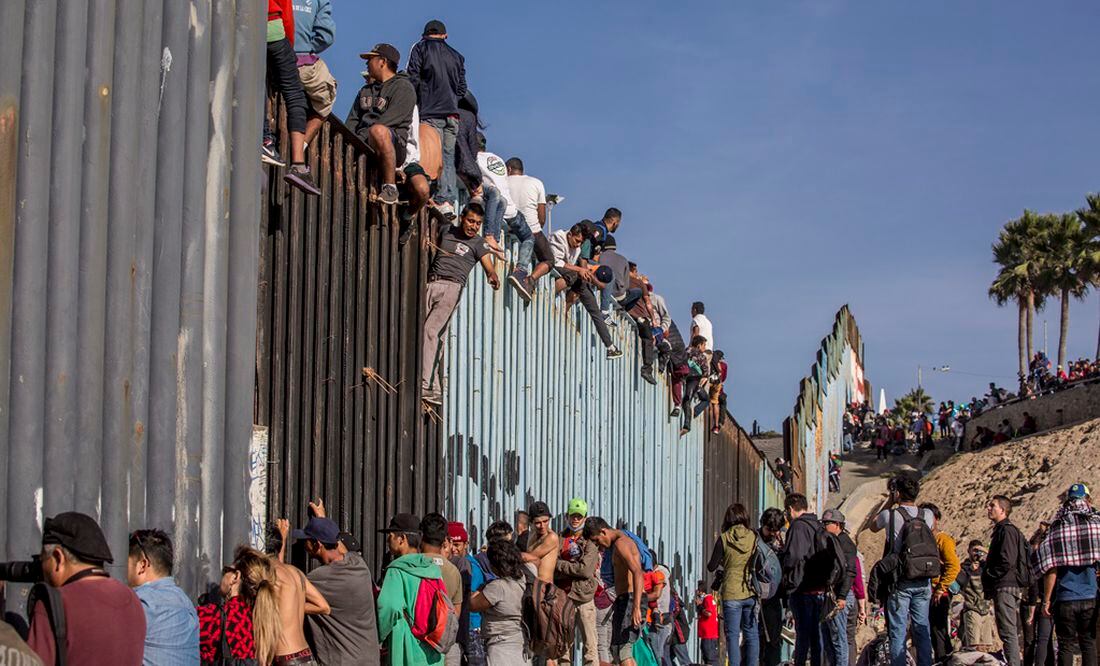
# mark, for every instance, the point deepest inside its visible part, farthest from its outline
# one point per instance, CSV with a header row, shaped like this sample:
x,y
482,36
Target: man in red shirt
x,y
104,621
707,609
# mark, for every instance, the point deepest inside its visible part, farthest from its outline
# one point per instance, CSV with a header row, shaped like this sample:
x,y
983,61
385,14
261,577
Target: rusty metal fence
x,y
337,349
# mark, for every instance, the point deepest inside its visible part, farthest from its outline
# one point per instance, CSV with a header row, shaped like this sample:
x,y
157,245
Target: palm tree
x,y
1090,218
915,400
1063,256
1019,278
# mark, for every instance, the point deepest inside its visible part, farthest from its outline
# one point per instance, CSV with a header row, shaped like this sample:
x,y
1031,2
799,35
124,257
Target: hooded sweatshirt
x,y
737,545
395,603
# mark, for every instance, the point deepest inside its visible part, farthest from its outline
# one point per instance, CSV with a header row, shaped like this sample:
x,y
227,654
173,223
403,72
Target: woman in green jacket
x,y
395,605
732,554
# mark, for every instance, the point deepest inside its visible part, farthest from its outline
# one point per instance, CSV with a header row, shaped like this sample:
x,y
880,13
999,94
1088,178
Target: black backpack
x,y
919,557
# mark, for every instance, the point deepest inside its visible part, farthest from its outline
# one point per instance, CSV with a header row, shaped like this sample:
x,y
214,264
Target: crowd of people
x,y
1043,379
422,125
535,595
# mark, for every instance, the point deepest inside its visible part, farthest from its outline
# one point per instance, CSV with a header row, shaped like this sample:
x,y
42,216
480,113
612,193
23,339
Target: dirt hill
x,y
1033,471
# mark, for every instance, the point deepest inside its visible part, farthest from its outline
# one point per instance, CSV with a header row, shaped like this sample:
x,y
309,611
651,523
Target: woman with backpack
x,y
243,629
500,603
733,554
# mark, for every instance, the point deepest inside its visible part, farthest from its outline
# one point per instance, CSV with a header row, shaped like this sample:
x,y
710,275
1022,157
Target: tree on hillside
x,y
1019,277
1090,218
915,400
1063,255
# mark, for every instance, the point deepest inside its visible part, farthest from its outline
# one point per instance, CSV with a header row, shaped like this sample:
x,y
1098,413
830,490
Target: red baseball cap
x,y
457,532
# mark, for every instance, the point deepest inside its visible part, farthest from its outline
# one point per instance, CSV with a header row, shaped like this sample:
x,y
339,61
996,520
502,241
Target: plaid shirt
x,y
1073,539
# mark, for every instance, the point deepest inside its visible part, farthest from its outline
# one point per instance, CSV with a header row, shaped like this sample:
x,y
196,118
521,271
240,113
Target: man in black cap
x,y
73,554
438,73
349,633
382,114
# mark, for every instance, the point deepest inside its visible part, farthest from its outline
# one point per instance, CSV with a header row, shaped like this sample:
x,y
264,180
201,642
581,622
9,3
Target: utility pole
x,y
918,376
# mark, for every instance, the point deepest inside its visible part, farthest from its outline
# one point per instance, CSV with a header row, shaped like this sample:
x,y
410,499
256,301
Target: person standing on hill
x,y
940,612
1006,576
976,631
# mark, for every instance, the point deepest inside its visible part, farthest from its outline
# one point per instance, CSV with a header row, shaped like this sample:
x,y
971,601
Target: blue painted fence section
x,y
535,412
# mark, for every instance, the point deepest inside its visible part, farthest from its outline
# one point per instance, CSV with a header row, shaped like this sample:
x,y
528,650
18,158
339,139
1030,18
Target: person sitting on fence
x,y
314,31
718,371
529,195
566,247
282,71
675,362
643,316
590,251
499,206
698,367
382,112
459,248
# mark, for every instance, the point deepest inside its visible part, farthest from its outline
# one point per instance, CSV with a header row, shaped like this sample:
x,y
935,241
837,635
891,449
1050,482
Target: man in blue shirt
x,y
172,625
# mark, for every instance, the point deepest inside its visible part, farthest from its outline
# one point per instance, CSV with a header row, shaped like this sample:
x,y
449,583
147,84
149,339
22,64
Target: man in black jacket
x,y
438,73
839,635
381,115
811,567
1005,578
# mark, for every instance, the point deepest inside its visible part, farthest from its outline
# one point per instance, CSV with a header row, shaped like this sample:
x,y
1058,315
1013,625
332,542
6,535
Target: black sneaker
x,y
614,352
388,195
299,176
647,375
518,280
674,413
269,154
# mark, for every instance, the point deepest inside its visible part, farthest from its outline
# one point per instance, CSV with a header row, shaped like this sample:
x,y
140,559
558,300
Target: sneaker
x,y
647,375
675,413
715,430
269,154
519,281
446,210
388,195
609,320
614,352
300,176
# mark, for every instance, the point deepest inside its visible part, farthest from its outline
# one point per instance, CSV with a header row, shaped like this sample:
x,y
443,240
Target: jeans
x,y
448,135
907,609
494,211
282,72
740,619
603,632
630,298
677,655
1075,622
658,638
709,648
1040,650
807,627
848,443
474,649
518,226
1006,611
837,628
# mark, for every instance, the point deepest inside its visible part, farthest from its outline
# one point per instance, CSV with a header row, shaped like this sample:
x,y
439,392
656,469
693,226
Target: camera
x,y
22,571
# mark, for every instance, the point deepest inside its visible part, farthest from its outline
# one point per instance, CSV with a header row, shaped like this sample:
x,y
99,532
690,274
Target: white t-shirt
x,y
705,329
882,520
664,600
559,247
493,172
412,144
527,193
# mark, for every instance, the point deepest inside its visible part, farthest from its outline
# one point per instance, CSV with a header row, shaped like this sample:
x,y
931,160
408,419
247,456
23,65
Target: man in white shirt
x,y
566,249
529,196
499,207
700,325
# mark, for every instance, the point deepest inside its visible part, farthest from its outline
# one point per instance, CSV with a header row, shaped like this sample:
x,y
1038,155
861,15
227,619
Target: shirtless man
x,y
625,628
543,543
296,597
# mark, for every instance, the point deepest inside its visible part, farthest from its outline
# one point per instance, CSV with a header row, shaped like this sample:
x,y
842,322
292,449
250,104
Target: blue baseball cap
x,y
319,529
1078,491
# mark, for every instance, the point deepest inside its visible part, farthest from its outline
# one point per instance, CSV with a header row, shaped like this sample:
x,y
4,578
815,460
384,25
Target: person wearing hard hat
x,y
575,573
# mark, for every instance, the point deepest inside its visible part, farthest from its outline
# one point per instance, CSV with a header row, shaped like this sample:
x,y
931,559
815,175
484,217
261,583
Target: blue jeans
x,y
518,226
658,639
837,641
907,610
448,135
807,627
741,621
494,211
630,298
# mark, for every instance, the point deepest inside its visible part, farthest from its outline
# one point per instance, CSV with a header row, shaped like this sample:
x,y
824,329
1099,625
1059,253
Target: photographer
x,y
103,619
977,629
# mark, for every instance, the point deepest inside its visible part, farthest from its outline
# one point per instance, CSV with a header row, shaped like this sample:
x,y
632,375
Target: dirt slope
x,y
1033,471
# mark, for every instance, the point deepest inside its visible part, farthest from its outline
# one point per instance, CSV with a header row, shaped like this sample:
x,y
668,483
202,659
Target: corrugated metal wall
x,y
129,213
815,429
339,294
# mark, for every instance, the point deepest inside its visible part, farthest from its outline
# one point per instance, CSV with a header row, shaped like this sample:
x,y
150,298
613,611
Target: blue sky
x,y
777,160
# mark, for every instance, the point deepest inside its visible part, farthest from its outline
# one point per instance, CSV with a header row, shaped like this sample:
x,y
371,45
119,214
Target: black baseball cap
x,y
434,27
387,51
319,529
350,542
78,533
609,243
405,523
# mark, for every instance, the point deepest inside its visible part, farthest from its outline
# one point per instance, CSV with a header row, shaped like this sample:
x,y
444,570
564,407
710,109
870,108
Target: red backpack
x,y
434,620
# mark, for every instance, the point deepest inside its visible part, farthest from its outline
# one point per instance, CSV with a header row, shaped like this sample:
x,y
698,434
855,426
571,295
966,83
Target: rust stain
x,y
126,389
139,431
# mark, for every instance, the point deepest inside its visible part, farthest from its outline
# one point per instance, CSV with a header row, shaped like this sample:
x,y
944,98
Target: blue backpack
x,y
607,569
764,573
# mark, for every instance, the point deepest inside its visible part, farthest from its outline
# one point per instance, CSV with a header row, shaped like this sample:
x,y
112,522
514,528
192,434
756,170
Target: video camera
x,y
22,571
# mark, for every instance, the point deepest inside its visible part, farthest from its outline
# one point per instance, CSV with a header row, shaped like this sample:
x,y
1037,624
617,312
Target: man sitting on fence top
x,y
566,247
382,114
459,248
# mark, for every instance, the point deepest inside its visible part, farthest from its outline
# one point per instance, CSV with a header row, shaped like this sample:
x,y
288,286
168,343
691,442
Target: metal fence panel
x,y
127,261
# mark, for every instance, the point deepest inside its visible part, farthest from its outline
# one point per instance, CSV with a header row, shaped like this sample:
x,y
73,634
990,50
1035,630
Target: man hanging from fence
x,y
459,248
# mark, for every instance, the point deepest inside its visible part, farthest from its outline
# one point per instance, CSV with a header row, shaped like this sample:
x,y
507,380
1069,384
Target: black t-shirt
x,y
457,254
